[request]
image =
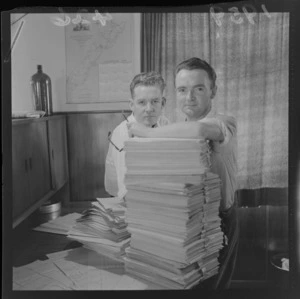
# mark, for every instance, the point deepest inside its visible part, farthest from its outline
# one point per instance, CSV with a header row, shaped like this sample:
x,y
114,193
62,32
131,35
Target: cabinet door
x,y
39,162
58,151
20,169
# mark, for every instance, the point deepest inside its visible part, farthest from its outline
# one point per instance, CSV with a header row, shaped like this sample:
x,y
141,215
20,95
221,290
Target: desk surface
x,y
41,250
29,245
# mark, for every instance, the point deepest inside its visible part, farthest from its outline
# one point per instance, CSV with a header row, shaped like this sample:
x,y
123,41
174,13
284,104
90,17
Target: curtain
x,y
151,41
251,62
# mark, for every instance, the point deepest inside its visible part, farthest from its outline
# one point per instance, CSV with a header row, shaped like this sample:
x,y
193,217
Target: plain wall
x,y
39,42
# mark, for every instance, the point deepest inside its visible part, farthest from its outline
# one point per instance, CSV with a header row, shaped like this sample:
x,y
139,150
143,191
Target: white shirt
x,y
224,157
115,161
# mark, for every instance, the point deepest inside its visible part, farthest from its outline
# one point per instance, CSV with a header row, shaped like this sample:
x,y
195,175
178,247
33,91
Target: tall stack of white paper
x,y
157,156
102,228
172,211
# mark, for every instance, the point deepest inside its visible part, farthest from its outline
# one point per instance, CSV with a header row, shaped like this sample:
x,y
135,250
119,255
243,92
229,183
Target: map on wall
x,y
100,62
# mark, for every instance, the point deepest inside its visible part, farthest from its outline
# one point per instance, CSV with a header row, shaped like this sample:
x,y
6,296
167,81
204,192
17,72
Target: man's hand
x,y
136,129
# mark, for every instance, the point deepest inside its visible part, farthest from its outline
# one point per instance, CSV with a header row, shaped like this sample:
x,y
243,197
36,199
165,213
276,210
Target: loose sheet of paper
x,y
76,269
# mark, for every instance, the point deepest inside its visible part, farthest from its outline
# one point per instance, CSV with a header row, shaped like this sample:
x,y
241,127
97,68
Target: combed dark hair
x,y
196,63
147,79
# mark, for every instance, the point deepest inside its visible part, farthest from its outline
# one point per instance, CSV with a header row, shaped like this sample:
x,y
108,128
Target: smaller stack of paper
x,y
60,225
102,228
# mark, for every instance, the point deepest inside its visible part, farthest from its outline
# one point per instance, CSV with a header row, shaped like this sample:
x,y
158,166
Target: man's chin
x,y
149,122
188,112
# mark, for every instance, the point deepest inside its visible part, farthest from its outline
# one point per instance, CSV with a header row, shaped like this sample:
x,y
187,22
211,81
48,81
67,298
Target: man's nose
x,y
190,95
149,106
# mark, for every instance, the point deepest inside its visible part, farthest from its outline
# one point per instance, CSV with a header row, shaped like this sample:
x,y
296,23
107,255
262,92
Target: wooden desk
x,y
29,245
97,272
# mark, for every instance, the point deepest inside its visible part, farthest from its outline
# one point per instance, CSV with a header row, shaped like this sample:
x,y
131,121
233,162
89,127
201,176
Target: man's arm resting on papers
x,y
192,129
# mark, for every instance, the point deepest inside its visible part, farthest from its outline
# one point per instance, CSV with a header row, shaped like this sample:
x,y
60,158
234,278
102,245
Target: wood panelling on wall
x,y
87,149
58,151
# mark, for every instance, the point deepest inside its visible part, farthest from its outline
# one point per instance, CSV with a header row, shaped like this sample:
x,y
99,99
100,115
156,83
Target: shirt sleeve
x,y
226,124
228,127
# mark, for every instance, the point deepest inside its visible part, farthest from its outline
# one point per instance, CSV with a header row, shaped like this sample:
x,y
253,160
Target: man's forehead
x,y
198,76
146,87
146,90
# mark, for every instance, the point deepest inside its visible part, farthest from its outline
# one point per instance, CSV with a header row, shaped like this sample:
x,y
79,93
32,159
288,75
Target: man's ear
x,y
214,91
131,104
163,102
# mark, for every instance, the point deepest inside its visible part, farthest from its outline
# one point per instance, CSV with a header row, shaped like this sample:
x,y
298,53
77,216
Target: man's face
x,y
194,93
147,104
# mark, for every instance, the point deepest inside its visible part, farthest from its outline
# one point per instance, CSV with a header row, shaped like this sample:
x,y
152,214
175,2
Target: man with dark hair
x,y
196,64
195,84
146,104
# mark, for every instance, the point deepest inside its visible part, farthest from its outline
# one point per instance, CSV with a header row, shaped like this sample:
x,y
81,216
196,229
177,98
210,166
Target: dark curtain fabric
x,y
251,62
151,42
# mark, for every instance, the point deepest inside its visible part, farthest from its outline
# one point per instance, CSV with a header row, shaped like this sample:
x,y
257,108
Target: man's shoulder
x,y
121,125
226,119
120,130
227,124
224,116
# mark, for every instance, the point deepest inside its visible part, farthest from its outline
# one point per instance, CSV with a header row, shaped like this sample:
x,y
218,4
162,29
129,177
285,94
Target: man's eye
x,y
141,103
199,89
181,90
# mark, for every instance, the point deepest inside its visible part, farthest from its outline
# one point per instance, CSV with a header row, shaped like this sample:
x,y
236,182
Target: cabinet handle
x,y
30,163
26,165
52,153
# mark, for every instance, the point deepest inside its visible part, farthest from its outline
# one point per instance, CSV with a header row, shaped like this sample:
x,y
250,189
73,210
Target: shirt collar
x,y
131,118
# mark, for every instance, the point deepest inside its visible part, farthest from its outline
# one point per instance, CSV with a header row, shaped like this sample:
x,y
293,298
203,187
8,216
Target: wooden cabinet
x,y
39,163
39,168
31,169
20,169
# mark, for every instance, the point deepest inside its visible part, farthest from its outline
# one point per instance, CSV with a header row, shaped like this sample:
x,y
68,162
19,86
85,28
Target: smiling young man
x,y
146,104
195,84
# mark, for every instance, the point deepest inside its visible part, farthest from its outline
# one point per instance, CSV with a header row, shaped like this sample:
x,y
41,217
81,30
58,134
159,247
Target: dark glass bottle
x,y
41,91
